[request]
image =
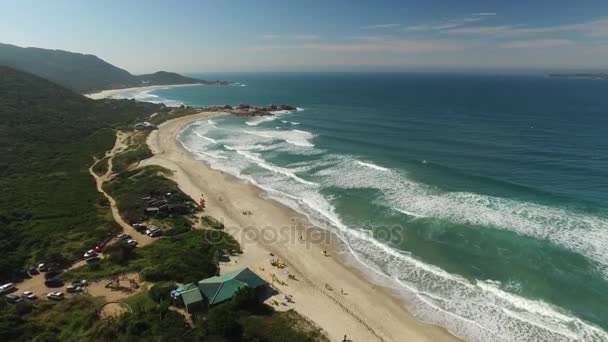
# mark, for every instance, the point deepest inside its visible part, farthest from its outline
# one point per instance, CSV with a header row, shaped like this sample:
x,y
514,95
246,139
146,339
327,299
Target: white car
x,y
29,295
55,295
132,242
123,236
90,253
7,288
80,283
73,289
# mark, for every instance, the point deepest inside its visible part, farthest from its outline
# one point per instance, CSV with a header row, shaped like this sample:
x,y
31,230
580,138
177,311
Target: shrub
x,y
161,292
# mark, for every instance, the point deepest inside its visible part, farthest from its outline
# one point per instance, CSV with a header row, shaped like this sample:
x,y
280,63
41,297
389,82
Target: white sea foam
x,y
213,141
294,136
477,311
262,163
372,166
580,233
290,122
261,119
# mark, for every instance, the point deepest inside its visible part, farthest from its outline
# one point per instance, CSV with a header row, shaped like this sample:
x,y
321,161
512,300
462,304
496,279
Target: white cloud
x,y
297,36
537,44
271,36
594,28
447,24
377,44
306,37
381,26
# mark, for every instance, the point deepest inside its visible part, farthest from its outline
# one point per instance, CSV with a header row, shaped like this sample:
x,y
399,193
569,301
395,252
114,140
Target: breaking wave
x,y
478,310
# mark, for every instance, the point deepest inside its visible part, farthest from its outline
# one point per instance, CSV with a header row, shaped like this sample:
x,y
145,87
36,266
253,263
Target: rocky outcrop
x,y
248,110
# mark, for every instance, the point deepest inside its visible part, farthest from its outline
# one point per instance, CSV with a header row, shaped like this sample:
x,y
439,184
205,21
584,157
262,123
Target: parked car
x,y
42,267
92,260
53,282
52,273
123,236
11,298
132,243
55,295
99,248
33,271
29,295
139,227
90,253
73,289
7,288
81,283
153,231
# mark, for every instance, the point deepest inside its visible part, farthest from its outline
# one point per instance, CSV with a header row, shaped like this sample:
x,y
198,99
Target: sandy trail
x,y
119,146
335,297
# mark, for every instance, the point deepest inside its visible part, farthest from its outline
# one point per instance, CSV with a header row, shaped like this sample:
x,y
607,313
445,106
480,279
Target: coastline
x,y
103,94
364,312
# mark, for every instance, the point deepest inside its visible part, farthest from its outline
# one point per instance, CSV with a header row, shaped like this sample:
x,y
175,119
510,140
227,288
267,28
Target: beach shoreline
x,y
330,292
104,94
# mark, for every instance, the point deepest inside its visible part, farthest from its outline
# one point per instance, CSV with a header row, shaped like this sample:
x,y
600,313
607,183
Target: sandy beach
x,y
334,296
111,92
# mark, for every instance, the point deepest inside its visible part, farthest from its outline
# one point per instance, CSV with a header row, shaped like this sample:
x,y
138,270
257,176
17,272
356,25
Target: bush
x,y
119,252
161,292
223,321
212,222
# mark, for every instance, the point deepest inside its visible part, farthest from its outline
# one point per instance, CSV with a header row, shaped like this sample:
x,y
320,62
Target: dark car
x,y
92,260
54,282
11,298
33,271
52,273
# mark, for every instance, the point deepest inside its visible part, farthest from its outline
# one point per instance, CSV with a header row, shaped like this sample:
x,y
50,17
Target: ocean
x,y
481,200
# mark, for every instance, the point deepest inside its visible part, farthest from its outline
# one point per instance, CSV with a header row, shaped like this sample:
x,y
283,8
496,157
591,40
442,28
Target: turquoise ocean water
x,y
483,200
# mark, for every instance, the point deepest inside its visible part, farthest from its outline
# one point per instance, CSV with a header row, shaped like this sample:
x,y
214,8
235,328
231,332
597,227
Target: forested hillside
x,y
49,207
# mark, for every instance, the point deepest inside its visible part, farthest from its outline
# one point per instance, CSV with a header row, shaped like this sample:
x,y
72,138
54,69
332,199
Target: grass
x,y
138,150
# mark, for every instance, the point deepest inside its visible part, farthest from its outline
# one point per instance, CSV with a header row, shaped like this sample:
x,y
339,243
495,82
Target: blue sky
x,y
262,35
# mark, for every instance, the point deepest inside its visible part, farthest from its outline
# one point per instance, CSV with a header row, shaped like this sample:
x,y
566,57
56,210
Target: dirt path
x,y
119,146
36,283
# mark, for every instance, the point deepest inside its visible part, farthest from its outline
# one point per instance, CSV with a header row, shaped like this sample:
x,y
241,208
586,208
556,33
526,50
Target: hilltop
x,y
82,72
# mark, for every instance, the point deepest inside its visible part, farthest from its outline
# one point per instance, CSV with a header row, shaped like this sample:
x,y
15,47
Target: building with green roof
x,y
221,288
218,289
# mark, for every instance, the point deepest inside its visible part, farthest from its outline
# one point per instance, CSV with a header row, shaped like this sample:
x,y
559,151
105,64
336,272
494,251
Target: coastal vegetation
x,y
52,212
183,258
77,319
50,209
101,167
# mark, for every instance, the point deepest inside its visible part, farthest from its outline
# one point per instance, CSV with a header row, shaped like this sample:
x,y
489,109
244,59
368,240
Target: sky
x,y
317,35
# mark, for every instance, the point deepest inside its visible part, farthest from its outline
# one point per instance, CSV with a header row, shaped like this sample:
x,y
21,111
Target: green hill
x,y
83,73
49,207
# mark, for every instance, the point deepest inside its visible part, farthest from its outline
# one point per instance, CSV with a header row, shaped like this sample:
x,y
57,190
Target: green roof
x,y
189,286
221,288
192,296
